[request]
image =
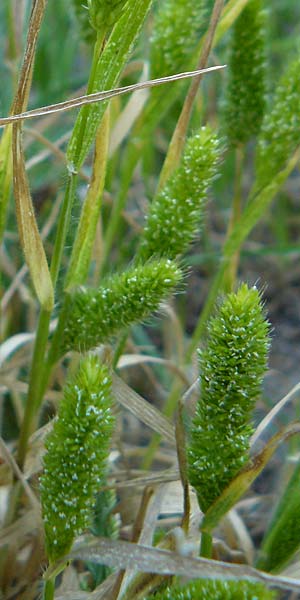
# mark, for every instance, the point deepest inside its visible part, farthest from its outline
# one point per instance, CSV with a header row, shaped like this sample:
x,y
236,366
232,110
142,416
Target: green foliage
x,y
280,131
77,450
94,316
282,538
207,589
104,76
175,34
177,210
231,369
246,89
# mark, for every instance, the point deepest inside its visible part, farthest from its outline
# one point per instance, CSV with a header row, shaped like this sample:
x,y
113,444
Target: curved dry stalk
x,y
101,96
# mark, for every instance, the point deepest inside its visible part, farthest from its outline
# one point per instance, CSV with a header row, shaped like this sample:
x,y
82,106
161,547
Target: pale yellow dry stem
x,y
101,96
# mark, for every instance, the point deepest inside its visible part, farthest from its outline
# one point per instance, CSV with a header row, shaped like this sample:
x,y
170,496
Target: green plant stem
x,y
206,544
127,172
119,349
33,399
98,48
49,589
63,226
62,230
39,370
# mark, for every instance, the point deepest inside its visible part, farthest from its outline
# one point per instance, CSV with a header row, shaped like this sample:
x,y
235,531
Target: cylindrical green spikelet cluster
x,y
105,13
246,90
76,457
176,212
280,131
214,589
95,315
175,35
231,370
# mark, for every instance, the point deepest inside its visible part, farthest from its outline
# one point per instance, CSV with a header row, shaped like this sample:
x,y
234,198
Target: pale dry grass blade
x,y
19,475
102,96
30,239
269,418
132,360
143,410
129,115
20,528
124,555
152,479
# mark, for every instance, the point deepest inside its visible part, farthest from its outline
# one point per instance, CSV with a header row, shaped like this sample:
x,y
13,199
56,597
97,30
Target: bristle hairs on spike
x,y
214,589
246,89
96,315
232,367
175,34
279,136
176,212
76,459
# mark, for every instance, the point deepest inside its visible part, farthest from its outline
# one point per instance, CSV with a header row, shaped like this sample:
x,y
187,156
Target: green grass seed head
x,y
232,367
96,315
280,130
177,210
175,35
214,589
246,90
76,458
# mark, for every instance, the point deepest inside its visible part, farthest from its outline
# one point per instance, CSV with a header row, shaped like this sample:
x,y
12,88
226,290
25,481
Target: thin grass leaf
x,y
5,176
108,70
124,555
89,217
143,410
102,96
30,238
282,538
245,478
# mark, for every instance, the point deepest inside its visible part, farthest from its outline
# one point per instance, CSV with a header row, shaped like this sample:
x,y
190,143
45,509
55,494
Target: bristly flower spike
x,y
175,35
214,589
246,90
96,315
279,137
232,367
76,459
177,210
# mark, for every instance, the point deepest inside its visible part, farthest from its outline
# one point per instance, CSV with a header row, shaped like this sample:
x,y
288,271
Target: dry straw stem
x,y
29,235
123,555
102,96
